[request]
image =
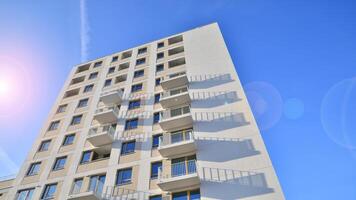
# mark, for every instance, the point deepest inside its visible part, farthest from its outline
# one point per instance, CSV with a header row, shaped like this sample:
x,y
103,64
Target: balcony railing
x,y
91,193
107,128
167,114
174,92
176,137
115,109
174,80
178,169
116,192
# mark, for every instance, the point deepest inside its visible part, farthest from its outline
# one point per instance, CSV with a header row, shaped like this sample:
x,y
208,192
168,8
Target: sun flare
x,y
4,87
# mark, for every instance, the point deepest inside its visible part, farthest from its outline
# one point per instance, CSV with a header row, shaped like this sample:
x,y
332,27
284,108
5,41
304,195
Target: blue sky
x,y
296,60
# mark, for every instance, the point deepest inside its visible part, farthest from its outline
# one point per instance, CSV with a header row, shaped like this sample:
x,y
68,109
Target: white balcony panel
x,y
173,98
102,135
84,196
111,97
106,115
185,120
174,81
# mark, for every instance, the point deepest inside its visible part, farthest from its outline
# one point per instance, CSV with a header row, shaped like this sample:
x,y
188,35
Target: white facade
x,y
231,161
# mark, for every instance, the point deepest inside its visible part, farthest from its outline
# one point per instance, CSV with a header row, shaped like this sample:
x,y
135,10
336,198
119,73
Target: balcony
x,y
107,115
175,97
111,97
176,118
174,81
89,195
176,143
101,135
178,176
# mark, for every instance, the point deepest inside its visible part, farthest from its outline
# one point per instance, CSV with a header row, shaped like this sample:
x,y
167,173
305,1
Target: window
x,y
25,194
124,176
96,183
128,147
68,139
131,124
155,167
175,39
177,62
155,140
139,73
93,75
134,104
62,108
88,88
156,197
126,54
158,81
159,68
86,157
49,191
140,61
157,98
107,82
136,87
77,185
76,120
77,80
53,126
115,58
98,64
160,44
44,145
191,195
111,70
59,163
83,103
120,78
83,68
156,117
160,55
71,93
34,169
142,50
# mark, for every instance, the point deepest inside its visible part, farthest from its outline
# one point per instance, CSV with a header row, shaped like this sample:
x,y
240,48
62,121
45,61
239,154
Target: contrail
x,y
7,162
84,32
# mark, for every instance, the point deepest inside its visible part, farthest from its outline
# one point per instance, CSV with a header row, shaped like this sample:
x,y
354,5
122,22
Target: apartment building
x,y
165,120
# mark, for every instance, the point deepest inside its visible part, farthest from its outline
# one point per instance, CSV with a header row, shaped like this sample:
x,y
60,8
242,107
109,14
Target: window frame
x,y
57,165
65,143
134,89
81,101
139,73
134,104
31,170
74,121
130,126
153,175
54,125
127,180
40,149
46,189
128,147
93,75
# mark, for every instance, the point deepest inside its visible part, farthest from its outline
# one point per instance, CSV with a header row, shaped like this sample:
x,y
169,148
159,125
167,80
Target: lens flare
x,y
4,88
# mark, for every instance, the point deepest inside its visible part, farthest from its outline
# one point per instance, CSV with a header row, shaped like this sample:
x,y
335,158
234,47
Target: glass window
x,y
34,169
155,140
86,157
134,104
155,167
76,120
98,64
160,44
111,70
107,82
157,98
68,139
115,58
62,108
93,75
96,183
156,117
88,88
25,194
159,68
53,126
139,73
136,87
77,185
195,195
158,81
124,176
59,164
180,196
131,124
140,61
49,191
44,145
142,50
160,55
156,197
128,147
83,103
